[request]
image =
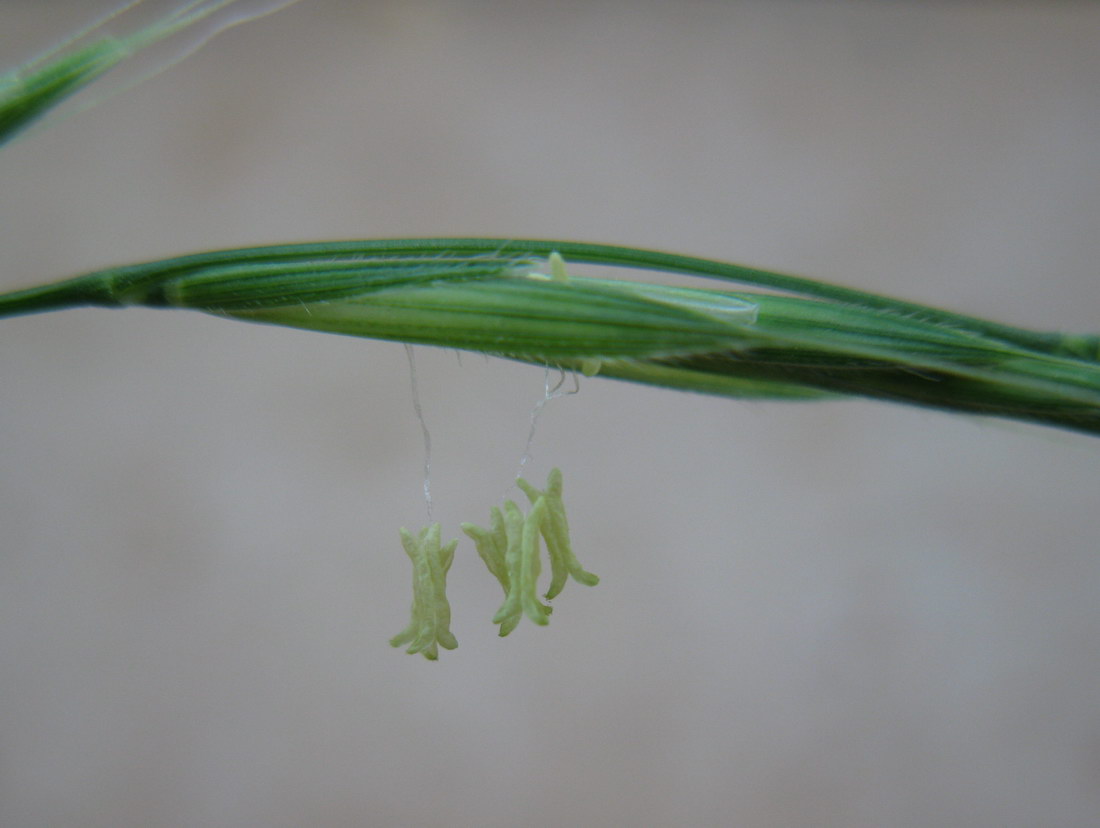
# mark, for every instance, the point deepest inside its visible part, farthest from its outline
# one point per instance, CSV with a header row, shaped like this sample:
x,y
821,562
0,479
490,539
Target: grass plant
x,y
802,340
776,336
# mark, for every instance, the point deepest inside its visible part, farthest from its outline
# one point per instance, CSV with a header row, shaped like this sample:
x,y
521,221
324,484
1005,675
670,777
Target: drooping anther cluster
x,y
511,549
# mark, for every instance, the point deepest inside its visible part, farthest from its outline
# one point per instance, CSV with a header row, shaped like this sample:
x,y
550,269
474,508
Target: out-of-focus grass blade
x,y
32,90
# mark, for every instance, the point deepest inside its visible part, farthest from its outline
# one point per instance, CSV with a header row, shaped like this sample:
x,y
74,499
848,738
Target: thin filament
x,y
549,393
423,430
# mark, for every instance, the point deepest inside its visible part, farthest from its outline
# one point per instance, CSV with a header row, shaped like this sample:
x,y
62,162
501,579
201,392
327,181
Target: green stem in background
x,y
489,295
30,91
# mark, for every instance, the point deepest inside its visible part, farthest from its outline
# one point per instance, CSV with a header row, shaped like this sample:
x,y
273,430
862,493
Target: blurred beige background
x,y
846,614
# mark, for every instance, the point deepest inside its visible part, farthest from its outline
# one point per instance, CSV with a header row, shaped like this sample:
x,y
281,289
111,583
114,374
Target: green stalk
x,y
488,295
30,91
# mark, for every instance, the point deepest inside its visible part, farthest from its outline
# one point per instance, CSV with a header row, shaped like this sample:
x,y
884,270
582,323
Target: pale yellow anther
x,y
430,625
590,367
511,550
555,530
557,267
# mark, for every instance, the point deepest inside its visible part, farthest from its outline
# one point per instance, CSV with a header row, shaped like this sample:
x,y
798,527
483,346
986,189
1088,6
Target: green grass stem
x,y
801,340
